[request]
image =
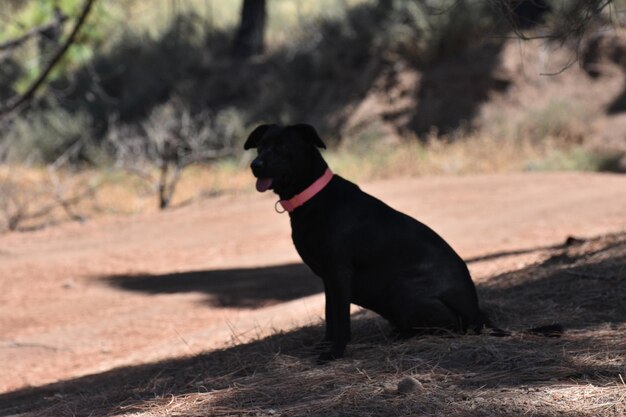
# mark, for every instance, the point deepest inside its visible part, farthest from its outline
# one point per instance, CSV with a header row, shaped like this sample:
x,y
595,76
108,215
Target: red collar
x,y
310,192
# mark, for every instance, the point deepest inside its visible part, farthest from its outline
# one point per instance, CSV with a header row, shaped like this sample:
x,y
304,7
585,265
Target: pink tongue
x,y
262,184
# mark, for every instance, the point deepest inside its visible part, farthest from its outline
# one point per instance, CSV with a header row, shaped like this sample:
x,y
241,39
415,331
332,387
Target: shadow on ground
x,y
252,287
243,288
579,286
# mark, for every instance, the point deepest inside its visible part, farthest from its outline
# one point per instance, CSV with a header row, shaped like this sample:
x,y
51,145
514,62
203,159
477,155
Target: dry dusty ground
x,y
197,311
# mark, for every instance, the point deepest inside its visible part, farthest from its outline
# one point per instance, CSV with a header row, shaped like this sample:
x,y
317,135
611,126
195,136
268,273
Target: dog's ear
x,y
309,133
256,135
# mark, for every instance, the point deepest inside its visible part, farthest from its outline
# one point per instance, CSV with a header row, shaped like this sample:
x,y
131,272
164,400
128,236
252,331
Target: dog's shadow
x,y
263,286
240,287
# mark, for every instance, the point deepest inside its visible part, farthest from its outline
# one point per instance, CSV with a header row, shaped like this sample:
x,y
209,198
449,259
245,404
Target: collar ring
x,y
277,209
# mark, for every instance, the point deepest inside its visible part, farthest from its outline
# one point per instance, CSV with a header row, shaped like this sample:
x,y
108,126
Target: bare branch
x,y
206,155
14,43
59,195
20,204
142,174
572,24
18,101
158,150
75,199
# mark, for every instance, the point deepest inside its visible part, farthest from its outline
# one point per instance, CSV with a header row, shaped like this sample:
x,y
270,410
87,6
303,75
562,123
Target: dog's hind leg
x,y
425,316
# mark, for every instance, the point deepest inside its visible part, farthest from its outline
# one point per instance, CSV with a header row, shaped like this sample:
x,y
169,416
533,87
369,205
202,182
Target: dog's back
x,y
399,263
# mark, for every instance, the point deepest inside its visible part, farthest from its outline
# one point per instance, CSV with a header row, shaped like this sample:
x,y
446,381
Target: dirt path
x,y
79,299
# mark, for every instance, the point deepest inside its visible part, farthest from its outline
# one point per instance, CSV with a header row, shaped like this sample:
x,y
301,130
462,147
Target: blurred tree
x,y
49,30
569,19
249,39
45,21
171,139
526,14
50,37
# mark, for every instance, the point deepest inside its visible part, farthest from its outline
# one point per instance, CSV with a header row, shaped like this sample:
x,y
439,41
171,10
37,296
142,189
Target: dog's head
x,y
288,160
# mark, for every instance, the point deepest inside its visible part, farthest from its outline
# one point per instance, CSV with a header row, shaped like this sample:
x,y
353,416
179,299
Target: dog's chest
x,y
314,242
308,239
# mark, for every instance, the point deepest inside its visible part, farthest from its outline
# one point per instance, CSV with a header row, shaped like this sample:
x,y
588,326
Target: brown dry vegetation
x,y
30,196
579,285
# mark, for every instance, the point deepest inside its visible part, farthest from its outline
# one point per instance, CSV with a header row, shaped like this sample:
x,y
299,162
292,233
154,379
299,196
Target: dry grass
x,y
119,192
473,154
31,196
34,198
579,374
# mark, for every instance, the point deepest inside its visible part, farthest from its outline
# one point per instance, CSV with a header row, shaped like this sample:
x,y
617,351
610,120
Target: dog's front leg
x,y
337,289
330,301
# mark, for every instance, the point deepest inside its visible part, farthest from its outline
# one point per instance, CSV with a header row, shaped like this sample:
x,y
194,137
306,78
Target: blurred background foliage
x,y
366,73
321,58
18,17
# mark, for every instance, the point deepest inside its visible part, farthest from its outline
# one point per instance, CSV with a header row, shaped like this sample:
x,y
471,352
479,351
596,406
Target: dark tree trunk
x,y
249,39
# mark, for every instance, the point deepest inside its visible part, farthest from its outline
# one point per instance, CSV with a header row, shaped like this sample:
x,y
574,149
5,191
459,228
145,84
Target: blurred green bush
x,y
135,57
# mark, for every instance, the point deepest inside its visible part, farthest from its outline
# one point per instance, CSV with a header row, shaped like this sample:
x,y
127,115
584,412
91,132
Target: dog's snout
x,y
256,165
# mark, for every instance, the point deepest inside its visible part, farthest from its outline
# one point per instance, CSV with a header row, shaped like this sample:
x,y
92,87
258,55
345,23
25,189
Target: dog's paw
x,y
328,356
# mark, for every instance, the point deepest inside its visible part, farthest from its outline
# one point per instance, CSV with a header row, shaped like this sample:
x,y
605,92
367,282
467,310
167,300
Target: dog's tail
x,y
550,330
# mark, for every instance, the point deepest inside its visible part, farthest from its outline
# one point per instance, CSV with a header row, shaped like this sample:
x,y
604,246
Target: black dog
x,y
365,252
